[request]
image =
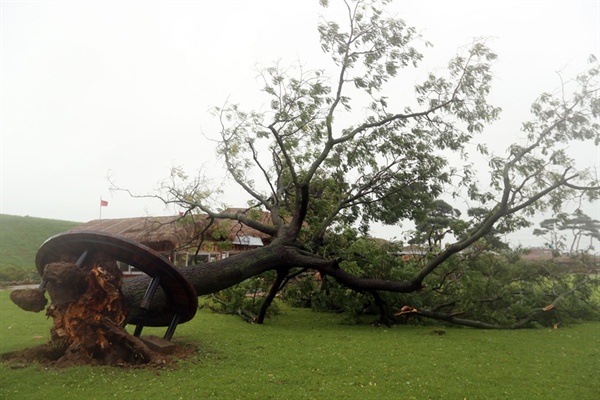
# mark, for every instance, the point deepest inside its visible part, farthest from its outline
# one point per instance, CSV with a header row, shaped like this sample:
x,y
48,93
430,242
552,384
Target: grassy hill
x,y
20,237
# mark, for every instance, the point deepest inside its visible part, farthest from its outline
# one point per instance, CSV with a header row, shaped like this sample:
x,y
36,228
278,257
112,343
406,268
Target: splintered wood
x,y
88,312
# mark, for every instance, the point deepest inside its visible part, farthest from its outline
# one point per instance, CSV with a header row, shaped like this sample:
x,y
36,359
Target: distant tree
x,y
439,220
493,240
578,223
549,230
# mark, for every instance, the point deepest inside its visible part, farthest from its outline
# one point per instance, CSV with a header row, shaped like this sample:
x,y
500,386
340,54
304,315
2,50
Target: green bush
x,y
246,297
499,289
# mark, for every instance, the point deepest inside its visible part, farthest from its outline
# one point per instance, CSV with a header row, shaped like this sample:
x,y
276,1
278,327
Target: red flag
x,y
103,203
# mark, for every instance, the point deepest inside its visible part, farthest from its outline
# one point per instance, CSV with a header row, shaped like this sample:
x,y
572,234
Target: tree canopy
x,y
336,152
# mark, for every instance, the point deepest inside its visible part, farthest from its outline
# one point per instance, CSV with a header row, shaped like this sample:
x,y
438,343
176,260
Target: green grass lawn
x,y
306,355
20,238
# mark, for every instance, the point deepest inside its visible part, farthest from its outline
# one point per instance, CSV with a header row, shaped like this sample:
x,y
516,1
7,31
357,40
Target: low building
x,y
577,262
188,240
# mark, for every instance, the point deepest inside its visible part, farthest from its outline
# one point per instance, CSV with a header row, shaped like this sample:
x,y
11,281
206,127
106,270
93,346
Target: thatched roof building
x,y
176,237
158,233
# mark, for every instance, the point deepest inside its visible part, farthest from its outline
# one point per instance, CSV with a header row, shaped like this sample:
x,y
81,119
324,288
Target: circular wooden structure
x,y
182,300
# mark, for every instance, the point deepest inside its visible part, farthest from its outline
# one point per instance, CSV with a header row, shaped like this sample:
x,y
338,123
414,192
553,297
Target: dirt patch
x,y
50,355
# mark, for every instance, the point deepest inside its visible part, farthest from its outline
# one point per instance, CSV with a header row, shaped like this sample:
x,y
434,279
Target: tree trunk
x,y
260,318
218,275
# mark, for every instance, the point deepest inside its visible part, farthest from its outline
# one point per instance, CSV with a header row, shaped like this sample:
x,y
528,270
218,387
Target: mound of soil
x,y
29,299
49,355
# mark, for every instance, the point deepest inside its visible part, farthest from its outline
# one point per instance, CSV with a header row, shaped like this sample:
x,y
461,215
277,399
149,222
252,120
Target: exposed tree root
x,y
89,312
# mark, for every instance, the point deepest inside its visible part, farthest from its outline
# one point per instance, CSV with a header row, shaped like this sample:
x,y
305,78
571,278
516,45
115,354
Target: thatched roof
x,y
171,232
159,233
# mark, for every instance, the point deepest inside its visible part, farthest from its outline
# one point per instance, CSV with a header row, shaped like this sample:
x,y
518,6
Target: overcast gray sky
x,y
92,88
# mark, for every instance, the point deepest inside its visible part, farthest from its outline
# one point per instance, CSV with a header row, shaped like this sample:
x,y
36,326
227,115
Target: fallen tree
x,y
321,171
325,173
